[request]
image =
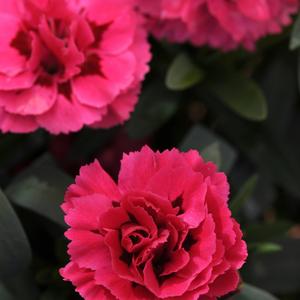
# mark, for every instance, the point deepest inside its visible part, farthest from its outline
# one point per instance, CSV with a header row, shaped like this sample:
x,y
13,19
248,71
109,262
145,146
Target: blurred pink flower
x,y
223,24
163,232
65,64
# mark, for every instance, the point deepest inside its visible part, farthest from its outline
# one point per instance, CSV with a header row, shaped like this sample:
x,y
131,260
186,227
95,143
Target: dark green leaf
x,y
295,38
212,153
22,286
45,169
155,107
278,272
249,292
242,95
4,293
15,253
183,74
267,231
298,71
39,197
267,247
199,138
243,195
277,87
40,188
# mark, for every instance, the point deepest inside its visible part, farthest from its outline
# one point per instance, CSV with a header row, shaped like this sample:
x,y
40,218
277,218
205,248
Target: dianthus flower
x,y
163,232
224,24
69,63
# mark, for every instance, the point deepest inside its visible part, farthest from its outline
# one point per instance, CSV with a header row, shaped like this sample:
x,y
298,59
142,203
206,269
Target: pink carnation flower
x,y
163,232
69,63
223,24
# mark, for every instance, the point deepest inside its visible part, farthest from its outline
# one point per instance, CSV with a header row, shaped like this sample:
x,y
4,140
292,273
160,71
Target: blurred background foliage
x,y
240,110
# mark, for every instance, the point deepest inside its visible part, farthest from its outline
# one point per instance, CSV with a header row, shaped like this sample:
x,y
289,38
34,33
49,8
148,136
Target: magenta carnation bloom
x,y
69,63
163,232
223,24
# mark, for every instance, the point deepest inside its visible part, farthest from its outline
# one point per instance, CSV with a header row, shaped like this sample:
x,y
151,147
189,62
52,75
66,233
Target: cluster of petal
x,y
223,24
69,63
163,232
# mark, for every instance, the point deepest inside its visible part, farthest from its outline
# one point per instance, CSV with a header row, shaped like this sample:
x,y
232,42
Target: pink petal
x,y
119,36
87,249
94,90
175,286
86,211
228,18
190,295
225,284
11,7
258,11
150,279
193,203
201,281
35,101
92,180
118,265
114,218
136,169
178,260
82,33
68,55
15,123
113,68
201,253
196,162
85,283
105,12
168,182
23,80
89,115
237,254
121,288
141,215
141,49
68,116
11,61
62,118
152,8
119,110
10,26
217,206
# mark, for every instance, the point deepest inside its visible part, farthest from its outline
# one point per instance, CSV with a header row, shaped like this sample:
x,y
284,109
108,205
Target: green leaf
x,y
298,70
39,197
15,252
155,107
46,170
242,95
295,38
258,233
40,188
4,293
183,74
213,153
22,286
264,248
278,272
204,140
243,195
249,292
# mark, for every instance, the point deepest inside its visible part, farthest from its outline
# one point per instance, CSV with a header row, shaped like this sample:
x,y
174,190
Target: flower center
x,y
134,237
51,65
22,42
